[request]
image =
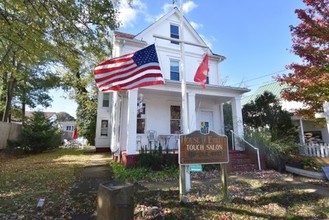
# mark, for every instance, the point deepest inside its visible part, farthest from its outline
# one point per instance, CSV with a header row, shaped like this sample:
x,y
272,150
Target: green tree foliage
x,y
87,115
308,82
63,39
266,112
39,134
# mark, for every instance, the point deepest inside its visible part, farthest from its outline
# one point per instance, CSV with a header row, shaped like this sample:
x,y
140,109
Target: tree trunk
x,y
9,96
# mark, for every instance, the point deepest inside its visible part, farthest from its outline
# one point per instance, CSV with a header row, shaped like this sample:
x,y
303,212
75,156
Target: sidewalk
x,y
95,172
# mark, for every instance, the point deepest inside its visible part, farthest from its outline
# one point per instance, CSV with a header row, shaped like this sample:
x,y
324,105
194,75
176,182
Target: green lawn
x,y
258,195
48,175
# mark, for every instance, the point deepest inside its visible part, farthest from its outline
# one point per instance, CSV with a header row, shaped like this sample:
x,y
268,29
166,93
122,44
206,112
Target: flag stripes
x,y
129,71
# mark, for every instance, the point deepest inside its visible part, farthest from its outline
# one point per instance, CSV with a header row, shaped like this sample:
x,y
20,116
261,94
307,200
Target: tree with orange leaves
x,y
309,81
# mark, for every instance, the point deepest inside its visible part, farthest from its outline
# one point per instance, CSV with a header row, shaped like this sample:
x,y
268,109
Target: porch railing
x,y
234,136
316,150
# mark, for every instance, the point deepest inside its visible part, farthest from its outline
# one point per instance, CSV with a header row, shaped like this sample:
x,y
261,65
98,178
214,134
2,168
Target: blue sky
x,y
253,35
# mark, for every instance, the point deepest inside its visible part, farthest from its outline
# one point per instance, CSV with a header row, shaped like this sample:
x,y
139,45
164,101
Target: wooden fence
x,y
9,131
316,150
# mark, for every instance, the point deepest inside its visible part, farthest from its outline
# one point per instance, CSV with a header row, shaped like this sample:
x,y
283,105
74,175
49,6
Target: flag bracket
x,y
180,41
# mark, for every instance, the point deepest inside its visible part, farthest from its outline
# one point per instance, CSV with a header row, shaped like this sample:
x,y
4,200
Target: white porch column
x,y
237,120
115,148
301,126
132,121
326,113
222,124
191,112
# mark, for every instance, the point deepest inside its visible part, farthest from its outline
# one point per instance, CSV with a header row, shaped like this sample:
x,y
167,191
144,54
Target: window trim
x,y
179,120
174,35
172,72
104,100
105,128
141,116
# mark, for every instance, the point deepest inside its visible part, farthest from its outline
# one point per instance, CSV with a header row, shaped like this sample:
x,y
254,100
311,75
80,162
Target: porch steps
x,y
241,162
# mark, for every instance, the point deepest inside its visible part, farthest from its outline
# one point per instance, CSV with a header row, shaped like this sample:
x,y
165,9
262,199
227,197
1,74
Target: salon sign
x,y
198,148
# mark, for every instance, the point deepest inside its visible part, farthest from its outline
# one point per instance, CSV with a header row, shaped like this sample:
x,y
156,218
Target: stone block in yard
x,y
115,201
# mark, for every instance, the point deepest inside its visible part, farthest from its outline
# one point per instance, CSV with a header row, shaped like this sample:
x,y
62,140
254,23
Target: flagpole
x,y
185,180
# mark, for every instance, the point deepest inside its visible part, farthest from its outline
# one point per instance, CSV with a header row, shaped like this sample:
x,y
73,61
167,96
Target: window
x,y
106,99
69,128
174,33
174,70
175,119
104,127
140,125
141,118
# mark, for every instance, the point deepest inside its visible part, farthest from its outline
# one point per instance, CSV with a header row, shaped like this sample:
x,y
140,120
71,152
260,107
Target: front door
x,y
206,118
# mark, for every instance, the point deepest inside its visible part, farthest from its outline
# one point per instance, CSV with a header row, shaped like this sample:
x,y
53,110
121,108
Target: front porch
x,y
152,117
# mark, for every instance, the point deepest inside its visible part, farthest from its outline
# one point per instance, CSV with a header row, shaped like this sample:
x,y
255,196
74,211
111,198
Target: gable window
x,y
175,119
174,33
106,99
104,127
174,70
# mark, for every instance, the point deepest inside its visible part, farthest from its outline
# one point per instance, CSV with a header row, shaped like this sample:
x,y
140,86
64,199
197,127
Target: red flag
x,y
202,72
75,133
129,71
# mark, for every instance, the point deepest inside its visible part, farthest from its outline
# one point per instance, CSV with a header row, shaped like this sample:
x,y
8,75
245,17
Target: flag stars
x,y
147,55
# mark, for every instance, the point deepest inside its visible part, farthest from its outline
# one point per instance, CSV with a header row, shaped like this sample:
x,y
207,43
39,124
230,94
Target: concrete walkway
x,y
96,171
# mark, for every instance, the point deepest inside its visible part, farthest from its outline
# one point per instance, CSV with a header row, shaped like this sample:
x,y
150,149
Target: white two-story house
x,y
130,120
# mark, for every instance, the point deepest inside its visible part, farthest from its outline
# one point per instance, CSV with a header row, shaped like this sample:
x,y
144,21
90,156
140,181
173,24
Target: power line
x,y
262,76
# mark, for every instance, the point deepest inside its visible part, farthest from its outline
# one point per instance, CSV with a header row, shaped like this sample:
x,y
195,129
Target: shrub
x,y
142,173
156,160
302,162
149,160
38,135
276,152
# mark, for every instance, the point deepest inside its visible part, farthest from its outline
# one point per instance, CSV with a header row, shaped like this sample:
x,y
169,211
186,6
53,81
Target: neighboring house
x,y
127,121
51,116
67,127
309,130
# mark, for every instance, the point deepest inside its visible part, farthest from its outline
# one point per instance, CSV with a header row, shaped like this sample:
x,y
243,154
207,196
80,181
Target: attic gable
x,y
173,17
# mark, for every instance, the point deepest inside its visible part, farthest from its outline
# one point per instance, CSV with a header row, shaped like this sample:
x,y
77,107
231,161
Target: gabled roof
x,y
275,88
176,11
123,35
186,23
46,114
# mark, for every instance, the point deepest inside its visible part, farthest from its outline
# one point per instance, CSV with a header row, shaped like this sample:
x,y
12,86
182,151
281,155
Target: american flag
x,y
129,71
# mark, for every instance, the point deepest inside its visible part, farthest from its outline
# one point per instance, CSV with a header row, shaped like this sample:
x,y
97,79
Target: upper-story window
x,y
106,99
174,70
174,33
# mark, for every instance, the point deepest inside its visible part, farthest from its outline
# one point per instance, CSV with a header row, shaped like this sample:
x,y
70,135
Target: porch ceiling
x,y
177,94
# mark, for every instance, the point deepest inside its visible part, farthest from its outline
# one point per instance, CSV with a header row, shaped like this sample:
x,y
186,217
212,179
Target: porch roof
x,y
212,91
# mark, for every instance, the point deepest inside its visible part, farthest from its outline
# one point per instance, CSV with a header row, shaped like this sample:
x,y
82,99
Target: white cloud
x,y
196,25
189,6
128,13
